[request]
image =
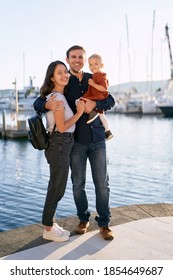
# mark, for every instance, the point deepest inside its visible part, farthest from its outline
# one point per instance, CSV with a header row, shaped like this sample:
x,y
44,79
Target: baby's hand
x,y
91,82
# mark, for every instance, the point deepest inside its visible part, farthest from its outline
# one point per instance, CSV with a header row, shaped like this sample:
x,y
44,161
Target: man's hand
x,y
89,105
54,105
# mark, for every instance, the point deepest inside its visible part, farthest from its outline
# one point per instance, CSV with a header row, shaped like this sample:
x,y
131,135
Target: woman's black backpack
x,y
38,136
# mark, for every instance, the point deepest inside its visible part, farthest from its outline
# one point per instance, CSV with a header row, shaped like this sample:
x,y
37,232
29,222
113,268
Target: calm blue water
x,y
140,167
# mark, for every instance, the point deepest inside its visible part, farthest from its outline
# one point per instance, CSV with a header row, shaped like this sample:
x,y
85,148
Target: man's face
x,y
76,61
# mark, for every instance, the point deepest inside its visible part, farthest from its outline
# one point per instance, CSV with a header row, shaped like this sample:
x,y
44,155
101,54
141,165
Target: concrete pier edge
x,y
30,236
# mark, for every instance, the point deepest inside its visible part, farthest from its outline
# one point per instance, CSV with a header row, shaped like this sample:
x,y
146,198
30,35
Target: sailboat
x,y
149,101
25,98
167,106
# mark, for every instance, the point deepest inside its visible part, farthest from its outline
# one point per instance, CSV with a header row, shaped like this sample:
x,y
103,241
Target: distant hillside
x,y
139,87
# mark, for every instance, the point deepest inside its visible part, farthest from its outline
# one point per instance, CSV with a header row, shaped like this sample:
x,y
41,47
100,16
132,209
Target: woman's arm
x,y
62,124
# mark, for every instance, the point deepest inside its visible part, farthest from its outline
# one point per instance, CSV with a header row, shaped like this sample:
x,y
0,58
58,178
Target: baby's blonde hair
x,y
95,55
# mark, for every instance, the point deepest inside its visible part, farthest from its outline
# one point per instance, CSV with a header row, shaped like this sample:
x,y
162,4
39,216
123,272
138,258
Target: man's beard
x,y
75,71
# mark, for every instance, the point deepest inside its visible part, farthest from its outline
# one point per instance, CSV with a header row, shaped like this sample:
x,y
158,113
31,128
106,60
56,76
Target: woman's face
x,y
60,75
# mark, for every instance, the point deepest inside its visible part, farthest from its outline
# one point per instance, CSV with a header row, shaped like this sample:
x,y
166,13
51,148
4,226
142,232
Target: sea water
x,y
140,166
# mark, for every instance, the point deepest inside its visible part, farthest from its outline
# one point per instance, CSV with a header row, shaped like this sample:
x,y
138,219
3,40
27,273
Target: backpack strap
x,y
53,129
51,134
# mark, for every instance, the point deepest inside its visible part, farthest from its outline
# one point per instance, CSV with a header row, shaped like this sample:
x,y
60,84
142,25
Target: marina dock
x,y
142,232
14,133
15,130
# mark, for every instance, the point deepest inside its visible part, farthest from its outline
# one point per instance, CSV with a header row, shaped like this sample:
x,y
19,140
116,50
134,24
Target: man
x,y
89,144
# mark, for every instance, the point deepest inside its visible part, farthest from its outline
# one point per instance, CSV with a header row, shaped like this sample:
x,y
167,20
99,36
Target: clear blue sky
x,y
35,32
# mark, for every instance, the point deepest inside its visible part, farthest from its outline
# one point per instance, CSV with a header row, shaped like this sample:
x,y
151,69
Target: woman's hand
x,y
89,105
80,107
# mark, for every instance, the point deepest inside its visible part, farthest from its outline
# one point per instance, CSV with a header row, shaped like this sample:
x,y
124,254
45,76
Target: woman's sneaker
x,y
61,228
55,234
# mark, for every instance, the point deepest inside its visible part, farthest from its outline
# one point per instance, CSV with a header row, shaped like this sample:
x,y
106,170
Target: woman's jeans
x,y
58,158
96,153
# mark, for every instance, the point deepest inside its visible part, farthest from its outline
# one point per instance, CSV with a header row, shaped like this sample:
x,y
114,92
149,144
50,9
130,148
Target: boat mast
x,y
119,64
170,52
23,70
128,47
152,51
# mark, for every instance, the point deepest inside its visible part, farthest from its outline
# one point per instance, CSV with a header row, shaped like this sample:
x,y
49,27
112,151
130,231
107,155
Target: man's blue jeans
x,y
96,153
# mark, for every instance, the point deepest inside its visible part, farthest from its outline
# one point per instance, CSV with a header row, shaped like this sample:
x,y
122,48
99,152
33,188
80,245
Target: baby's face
x,y
95,64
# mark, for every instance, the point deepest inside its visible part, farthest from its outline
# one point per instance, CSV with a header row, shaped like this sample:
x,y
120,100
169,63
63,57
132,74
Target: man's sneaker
x,y
108,135
92,116
55,234
66,232
106,233
82,227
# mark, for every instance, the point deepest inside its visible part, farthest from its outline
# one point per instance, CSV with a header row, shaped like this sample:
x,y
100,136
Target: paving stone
x,y
27,237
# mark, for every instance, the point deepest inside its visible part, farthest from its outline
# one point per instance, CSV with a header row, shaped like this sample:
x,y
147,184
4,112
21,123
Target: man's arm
x,y
42,105
106,104
101,105
39,105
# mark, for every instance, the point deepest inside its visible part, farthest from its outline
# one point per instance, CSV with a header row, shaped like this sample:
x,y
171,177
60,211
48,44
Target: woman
x,y
58,152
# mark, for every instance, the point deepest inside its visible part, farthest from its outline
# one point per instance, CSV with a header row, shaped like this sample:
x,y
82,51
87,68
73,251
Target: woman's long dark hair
x,y
48,84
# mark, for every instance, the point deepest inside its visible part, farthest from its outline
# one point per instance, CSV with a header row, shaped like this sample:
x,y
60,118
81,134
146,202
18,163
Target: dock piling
x,y
3,124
